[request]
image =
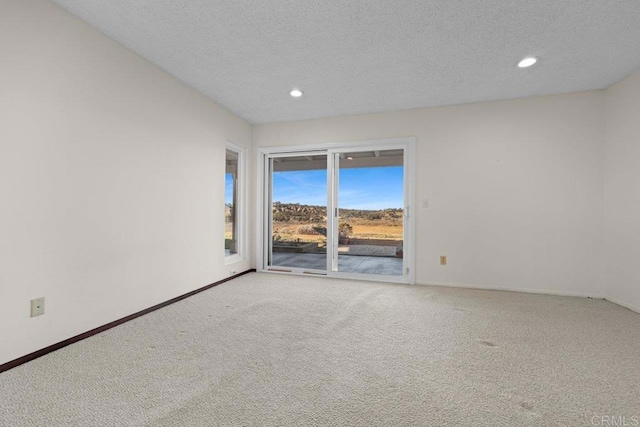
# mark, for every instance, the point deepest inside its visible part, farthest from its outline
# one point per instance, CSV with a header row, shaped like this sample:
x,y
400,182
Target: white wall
x,y
514,187
111,180
622,192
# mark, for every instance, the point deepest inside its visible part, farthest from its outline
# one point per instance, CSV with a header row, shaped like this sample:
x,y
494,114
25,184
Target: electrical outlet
x,y
233,272
443,260
37,307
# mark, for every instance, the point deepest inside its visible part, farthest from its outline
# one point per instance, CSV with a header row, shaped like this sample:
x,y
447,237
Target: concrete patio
x,y
390,266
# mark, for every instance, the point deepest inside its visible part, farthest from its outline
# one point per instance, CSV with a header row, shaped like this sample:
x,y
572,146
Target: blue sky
x,y
228,188
360,188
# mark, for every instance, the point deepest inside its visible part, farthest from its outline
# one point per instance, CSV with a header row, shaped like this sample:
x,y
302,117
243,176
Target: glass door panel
x,y
298,213
369,202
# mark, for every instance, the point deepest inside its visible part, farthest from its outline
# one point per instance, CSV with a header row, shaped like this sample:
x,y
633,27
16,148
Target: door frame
x,y
263,214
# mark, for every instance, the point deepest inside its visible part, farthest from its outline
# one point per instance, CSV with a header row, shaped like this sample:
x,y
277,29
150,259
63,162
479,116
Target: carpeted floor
x,y
292,351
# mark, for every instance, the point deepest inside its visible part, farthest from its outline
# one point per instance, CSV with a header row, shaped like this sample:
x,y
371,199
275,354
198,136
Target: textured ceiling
x,y
362,56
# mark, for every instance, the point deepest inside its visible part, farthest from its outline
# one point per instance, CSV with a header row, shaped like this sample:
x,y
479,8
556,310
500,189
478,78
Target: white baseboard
x,y
623,304
526,291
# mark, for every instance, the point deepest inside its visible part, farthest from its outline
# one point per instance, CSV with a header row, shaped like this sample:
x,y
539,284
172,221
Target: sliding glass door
x,y
297,208
369,202
340,212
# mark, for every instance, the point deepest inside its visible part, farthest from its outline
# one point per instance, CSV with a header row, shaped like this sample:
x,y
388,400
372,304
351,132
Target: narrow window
x,y
233,191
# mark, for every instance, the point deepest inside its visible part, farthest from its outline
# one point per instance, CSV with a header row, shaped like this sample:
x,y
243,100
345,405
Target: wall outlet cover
x,y
37,307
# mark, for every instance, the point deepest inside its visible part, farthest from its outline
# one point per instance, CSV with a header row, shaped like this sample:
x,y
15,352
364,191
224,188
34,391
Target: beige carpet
x,y
292,351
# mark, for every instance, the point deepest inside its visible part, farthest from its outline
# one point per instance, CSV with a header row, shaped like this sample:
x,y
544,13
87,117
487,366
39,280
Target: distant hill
x,y
294,212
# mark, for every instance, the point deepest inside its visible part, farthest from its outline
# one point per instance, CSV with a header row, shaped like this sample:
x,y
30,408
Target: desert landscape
x,y
306,223
296,224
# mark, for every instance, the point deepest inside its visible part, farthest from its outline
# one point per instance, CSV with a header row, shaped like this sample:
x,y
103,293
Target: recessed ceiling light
x,y
349,158
527,62
296,93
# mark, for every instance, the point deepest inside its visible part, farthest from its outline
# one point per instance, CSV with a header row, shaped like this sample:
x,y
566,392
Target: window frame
x,y
240,209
